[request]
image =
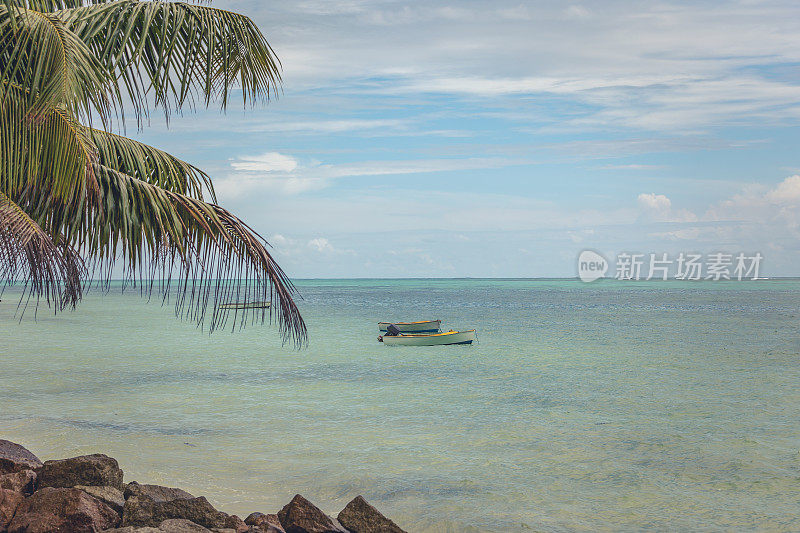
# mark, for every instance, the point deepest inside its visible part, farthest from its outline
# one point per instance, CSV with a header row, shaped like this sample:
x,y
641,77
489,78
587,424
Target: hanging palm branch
x,y
72,192
51,271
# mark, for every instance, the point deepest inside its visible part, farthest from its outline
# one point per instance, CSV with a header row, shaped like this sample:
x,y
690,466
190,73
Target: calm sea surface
x,y
603,406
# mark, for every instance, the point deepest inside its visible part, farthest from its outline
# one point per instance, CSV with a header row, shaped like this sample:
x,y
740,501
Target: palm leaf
x,y
69,186
177,53
213,256
150,164
49,66
47,167
52,271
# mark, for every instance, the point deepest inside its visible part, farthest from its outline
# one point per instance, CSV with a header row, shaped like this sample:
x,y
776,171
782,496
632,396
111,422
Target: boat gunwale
x,y
409,323
432,334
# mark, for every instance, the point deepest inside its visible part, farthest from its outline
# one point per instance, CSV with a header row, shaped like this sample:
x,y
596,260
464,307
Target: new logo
x,y
591,266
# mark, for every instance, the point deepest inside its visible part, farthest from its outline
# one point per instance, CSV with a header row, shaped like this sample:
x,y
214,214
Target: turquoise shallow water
x,y
604,406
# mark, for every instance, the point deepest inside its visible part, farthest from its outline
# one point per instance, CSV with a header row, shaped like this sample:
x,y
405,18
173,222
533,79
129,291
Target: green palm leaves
x,y
72,189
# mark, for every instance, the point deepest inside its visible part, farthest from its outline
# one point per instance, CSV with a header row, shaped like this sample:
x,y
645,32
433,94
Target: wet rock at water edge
x,y
156,493
9,502
93,470
360,517
181,525
23,481
109,495
236,524
302,516
15,457
131,529
145,511
62,509
267,523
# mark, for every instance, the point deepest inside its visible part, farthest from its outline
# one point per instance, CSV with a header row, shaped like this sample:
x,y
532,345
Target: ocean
x,y
602,406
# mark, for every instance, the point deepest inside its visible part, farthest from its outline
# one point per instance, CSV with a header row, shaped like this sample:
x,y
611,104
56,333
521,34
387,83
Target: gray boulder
x,y
109,495
145,511
268,523
361,517
179,525
131,529
302,516
52,509
236,524
93,470
155,492
15,457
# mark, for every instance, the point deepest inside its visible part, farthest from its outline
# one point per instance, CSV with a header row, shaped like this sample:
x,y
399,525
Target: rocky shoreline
x,y
88,494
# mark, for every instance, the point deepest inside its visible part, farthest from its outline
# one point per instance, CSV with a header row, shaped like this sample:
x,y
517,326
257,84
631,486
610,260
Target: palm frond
x,y
150,164
177,53
211,254
45,65
66,186
47,6
51,270
47,166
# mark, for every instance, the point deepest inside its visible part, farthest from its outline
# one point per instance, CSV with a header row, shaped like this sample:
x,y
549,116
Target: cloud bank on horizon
x,y
502,138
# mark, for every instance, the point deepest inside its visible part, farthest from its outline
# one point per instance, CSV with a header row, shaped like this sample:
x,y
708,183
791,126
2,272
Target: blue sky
x,y
502,138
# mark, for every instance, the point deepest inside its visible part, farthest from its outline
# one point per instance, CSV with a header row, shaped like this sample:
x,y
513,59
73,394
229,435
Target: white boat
x,y
430,339
423,326
245,305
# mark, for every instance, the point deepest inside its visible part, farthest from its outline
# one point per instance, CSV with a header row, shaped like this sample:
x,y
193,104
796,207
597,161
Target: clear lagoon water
x,y
602,406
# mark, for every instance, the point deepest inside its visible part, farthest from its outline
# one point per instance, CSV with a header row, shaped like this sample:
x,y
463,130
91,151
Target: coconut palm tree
x,y
78,198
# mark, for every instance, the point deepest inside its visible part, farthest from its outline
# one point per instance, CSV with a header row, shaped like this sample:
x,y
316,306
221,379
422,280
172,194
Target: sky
x,y
501,139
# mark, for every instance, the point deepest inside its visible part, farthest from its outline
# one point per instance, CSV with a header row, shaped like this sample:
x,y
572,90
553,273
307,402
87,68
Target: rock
x,y
131,529
145,511
108,495
92,470
60,509
302,516
255,519
225,530
268,523
9,502
236,524
155,492
14,457
23,481
360,517
179,525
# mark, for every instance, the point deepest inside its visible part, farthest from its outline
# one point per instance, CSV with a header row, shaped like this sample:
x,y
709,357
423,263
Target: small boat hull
x,y
432,339
423,326
245,305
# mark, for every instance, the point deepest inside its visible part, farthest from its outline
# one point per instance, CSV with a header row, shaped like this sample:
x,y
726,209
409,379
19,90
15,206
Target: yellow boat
x,y
422,326
429,339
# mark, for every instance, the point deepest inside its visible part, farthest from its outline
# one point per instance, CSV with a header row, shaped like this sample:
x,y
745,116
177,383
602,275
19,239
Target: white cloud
x,y
693,66
658,208
268,162
320,244
576,11
277,172
631,167
278,240
654,202
327,126
777,208
787,192
449,225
